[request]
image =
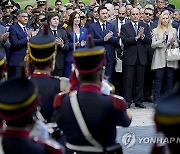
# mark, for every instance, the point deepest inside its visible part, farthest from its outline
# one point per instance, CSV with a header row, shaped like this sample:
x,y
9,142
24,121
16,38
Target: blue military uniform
x,y
167,119
101,112
41,50
49,86
18,102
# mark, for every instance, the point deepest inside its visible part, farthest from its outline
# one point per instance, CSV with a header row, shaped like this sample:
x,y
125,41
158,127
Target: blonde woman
x,y
163,37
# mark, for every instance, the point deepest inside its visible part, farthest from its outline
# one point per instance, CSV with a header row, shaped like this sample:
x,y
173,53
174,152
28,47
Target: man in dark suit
x,y
4,41
135,36
104,34
118,22
148,78
120,19
61,41
18,36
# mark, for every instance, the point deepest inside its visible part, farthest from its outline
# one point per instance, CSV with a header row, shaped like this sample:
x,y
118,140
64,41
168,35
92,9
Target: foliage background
x,y
23,3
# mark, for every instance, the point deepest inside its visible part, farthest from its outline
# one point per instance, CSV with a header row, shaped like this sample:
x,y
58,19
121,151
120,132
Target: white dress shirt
x,y
101,24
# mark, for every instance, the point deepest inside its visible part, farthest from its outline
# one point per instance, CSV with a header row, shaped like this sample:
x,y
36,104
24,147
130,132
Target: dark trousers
x,y
167,74
67,68
117,81
58,72
133,75
148,81
14,71
109,70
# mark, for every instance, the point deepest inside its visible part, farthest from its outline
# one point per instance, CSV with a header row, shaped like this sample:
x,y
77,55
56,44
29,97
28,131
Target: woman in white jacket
x,y
163,37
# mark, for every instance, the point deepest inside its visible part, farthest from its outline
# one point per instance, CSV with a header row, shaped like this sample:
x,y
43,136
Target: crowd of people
x,y
69,52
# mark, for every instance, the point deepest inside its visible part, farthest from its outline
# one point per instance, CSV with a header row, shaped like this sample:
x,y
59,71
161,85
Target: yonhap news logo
x,y
130,139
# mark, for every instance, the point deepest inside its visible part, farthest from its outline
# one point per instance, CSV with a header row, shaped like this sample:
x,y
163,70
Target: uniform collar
x,y
41,73
16,132
90,87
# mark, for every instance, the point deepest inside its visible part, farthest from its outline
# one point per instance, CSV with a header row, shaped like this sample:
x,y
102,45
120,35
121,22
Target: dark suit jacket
x,y
132,48
98,36
119,49
61,50
115,23
150,50
175,24
18,40
89,23
4,45
83,36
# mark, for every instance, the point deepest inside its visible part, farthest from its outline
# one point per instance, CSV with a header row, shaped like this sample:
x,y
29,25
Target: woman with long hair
x,y
77,39
163,37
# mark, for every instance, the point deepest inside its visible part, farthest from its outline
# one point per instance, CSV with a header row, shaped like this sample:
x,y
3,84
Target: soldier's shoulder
x,y
119,102
58,99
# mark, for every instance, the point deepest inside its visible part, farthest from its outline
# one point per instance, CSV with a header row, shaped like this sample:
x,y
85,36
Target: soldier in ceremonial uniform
x,y
41,5
18,102
7,9
41,52
100,113
167,119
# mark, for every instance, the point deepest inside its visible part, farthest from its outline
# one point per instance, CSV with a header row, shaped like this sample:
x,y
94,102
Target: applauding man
x,y
18,36
135,36
104,34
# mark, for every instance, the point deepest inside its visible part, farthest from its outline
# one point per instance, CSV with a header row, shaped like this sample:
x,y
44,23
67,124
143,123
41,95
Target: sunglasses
x,y
135,14
122,13
148,14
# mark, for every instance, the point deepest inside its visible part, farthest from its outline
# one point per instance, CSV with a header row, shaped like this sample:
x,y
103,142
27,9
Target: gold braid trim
x,y
44,46
2,61
167,120
22,104
41,46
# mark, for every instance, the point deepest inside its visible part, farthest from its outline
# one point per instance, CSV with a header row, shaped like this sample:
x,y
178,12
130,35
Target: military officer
x,y
100,113
167,119
41,52
18,102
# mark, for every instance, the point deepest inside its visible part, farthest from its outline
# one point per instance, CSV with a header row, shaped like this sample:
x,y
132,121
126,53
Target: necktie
x,y
54,32
24,29
136,28
104,28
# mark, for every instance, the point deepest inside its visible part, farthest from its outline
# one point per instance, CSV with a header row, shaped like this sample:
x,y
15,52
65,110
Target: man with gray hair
x,y
135,36
19,35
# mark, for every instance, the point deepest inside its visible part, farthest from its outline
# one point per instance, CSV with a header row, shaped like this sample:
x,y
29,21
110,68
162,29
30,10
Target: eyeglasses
x,y
148,14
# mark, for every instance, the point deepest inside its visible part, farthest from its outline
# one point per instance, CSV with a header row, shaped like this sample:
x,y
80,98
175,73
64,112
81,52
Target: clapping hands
x,y
108,36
